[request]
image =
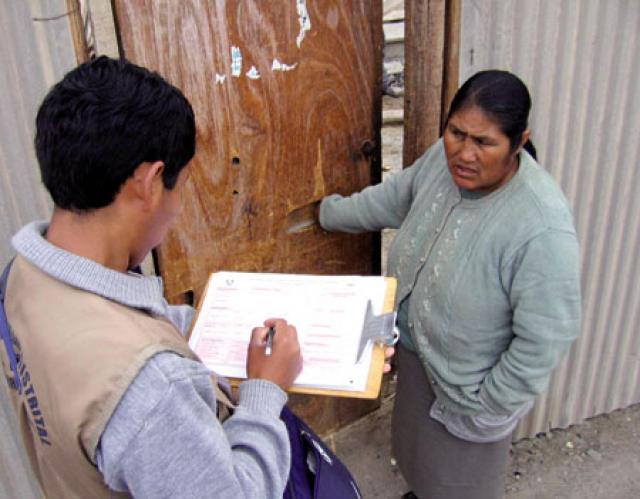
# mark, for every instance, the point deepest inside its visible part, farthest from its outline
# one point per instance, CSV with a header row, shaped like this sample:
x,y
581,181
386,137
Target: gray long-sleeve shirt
x,y
163,439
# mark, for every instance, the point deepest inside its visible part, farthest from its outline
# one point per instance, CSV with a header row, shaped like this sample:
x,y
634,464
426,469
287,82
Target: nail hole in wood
x,y
235,161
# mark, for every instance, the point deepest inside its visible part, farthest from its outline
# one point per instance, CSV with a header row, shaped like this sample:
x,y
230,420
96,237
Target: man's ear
x,y
147,182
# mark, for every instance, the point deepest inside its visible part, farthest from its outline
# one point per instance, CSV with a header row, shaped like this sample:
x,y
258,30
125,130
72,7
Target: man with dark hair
x,y
108,394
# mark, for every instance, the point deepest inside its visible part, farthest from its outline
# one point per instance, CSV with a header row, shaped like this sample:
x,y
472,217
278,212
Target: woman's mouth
x,y
463,171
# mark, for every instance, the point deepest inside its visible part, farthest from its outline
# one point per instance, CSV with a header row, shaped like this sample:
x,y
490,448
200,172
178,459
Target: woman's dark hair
x,y
101,121
503,97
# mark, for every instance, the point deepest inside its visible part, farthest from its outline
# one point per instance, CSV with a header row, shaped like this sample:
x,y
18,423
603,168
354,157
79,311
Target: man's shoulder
x,y
52,316
33,291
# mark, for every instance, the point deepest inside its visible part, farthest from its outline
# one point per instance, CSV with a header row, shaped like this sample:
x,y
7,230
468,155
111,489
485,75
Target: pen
x,y
270,335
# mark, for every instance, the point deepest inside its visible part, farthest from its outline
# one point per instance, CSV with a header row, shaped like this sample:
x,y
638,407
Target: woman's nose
x,y
468,152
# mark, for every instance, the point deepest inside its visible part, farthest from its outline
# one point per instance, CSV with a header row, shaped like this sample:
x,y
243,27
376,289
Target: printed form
x,y
327,311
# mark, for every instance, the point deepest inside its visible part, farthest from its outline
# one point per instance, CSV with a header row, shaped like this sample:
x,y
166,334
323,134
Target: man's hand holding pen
x,y
274,353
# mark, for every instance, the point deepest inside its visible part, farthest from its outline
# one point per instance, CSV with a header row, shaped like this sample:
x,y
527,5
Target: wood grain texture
x,y
76,28
267,147
451,70
424,66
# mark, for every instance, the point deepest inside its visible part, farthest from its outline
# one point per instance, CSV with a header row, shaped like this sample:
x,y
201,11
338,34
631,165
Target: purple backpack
x,y
316,472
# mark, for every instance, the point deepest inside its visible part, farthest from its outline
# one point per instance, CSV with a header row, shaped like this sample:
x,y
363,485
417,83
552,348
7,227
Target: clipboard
x,y
376,362
374,380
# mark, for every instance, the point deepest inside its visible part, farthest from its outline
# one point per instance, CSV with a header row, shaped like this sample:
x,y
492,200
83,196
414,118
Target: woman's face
x,y
478,153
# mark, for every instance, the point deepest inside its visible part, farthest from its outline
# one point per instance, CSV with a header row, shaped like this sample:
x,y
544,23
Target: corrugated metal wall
x,y
33,55
580,61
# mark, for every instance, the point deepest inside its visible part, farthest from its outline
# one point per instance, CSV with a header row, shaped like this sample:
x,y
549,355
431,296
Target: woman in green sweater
x,y
486,258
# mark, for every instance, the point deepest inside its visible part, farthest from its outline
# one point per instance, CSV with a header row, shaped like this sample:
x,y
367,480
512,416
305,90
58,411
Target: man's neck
x,y
92,236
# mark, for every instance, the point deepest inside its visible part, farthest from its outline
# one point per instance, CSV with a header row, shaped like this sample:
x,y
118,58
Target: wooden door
x,y
287,102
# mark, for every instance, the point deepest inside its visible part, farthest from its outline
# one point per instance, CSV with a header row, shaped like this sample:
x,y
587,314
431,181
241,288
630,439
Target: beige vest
x,y
77,355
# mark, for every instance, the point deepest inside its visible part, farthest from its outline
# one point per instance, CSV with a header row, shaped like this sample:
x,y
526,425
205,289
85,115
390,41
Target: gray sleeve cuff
x,y
331,218
259,395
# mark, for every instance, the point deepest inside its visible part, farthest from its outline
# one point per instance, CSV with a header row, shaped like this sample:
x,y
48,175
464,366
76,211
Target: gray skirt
x,y
434,463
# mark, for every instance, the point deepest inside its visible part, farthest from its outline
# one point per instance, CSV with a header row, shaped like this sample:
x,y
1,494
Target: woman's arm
x,y
376,207
384,205
545,299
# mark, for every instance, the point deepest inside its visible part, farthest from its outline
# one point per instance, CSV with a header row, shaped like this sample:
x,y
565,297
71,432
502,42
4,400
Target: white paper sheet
x,y
327,311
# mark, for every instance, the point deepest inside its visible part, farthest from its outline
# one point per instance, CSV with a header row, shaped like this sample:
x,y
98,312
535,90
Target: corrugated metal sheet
x,y
33,55
580,61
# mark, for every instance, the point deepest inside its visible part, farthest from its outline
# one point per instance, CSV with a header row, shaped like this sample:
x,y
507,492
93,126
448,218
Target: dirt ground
x,y
599,458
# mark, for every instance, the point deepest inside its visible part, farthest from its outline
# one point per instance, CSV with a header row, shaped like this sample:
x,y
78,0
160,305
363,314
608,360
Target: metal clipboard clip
x,y
380,328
